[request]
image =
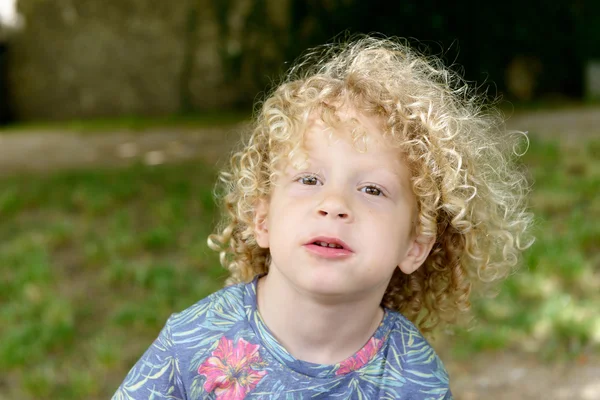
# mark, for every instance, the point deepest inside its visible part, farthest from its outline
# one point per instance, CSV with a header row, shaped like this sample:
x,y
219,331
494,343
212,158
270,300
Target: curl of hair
x,y
469,189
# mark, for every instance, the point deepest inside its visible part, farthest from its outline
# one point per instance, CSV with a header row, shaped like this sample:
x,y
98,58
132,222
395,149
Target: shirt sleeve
x,y
156,375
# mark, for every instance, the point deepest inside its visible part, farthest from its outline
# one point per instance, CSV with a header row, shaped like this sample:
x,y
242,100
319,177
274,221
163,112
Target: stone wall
x,y
92,58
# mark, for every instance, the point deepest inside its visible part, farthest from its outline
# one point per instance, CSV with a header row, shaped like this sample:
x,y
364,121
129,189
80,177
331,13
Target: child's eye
x,y
309,180
372,190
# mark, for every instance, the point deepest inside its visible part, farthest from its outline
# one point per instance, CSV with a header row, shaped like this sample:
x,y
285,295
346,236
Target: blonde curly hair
x,y
470,193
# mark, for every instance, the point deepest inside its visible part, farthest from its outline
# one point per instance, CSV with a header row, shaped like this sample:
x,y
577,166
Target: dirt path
x,y
564,125
486,376
516,376
48,151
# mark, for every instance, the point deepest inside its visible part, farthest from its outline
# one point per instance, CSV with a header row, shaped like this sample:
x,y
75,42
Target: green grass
x,y
133,123
94,262
550,307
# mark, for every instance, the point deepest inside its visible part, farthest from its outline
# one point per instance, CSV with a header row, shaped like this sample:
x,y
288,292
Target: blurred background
x,y
116,115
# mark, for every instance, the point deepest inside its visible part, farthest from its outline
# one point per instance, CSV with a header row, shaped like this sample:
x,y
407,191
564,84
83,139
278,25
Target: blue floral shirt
x,y
220,349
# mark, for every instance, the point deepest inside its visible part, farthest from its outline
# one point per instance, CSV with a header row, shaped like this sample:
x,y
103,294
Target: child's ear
x,y
261,223
417,254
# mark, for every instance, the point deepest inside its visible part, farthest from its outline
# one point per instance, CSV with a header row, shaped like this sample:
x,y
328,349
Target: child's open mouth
x,y
328,248
332,245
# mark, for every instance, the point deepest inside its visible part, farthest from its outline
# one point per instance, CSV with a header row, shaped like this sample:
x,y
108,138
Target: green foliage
x,y
483,38
94,262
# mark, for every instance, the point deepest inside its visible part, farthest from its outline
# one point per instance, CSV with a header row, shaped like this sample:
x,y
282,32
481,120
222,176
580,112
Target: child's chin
x,y
328,285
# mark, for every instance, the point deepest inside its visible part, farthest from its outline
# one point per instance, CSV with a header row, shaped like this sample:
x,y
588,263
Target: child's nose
x,y
334,206
342,215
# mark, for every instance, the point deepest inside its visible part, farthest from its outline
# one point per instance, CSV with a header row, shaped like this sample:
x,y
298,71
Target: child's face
x,y
360,202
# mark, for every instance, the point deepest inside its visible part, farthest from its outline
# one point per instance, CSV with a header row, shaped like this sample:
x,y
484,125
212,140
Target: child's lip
x,y
333,253
330,240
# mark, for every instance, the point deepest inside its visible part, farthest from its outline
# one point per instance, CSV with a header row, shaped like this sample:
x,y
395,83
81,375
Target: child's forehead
x,y
366,133
362,135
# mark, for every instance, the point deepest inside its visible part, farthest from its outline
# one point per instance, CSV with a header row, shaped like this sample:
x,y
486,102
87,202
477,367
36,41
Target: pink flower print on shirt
x,y
230,370
362,357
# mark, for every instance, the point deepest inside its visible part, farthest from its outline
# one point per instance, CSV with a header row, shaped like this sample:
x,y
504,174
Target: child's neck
x,y
312,330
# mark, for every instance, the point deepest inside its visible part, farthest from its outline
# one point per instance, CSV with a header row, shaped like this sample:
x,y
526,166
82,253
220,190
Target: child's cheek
x,y
296,190
376,204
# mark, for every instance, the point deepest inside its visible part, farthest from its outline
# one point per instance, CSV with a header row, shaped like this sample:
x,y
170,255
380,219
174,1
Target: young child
x,y
371,195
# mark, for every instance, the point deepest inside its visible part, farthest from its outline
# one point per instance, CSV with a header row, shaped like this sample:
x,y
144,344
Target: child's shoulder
x,y
399,322
414,351
405,336
226,303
